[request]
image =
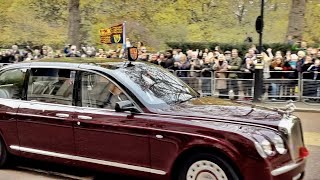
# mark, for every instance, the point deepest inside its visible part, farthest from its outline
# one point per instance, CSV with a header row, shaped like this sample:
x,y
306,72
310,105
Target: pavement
x,y
300,106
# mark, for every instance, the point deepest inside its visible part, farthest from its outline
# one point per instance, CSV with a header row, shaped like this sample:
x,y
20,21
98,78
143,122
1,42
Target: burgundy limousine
x,y
140,120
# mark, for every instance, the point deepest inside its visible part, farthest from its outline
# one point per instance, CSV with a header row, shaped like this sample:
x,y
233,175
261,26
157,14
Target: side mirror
x,y
123,106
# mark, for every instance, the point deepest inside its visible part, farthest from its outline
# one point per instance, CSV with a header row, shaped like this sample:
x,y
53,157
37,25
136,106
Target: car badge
x,y
132,53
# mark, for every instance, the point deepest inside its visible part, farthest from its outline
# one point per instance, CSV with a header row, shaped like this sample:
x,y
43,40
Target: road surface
x,y
311,126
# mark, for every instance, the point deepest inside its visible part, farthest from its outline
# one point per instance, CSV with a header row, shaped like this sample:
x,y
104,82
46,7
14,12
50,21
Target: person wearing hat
x,y
227,54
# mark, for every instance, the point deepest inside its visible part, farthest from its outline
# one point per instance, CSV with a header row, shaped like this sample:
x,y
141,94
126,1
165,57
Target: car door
x,y
11,93
45,120
115,139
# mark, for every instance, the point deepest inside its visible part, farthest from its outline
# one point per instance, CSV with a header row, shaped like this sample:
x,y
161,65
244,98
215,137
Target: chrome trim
x,y
62,115
288,126
84,117
89,160
286,168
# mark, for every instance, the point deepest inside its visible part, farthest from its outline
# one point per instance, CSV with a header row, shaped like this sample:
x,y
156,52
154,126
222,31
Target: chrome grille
x,y
292,128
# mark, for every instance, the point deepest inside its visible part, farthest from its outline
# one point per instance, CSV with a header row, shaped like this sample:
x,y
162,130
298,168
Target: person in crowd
x,y
8,57
300,63
290,64
29,57
220,67
218,50
182,67
101,54
234,65
307,77
206,74
266,60
318,54
313,54
143,56
251,55
58,54
169,61
189,55
248,69
161,58
176,55
314,88
154,59
309,51
276,76
73,52
227,54
37,54
195,73
288,56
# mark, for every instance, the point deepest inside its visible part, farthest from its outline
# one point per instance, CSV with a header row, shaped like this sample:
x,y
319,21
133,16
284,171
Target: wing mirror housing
x,y
123,106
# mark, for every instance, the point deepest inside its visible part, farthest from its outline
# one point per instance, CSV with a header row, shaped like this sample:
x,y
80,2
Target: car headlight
x,y
279,144
267,147
263,146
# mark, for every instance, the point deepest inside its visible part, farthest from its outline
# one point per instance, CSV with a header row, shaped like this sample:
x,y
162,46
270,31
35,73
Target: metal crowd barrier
x,y
310,87
198,80
280,87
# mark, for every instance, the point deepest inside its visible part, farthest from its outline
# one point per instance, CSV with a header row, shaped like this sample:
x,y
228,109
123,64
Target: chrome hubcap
x,y
205,170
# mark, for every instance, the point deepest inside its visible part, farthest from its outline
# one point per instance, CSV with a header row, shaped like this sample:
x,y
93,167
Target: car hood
x,y
212,109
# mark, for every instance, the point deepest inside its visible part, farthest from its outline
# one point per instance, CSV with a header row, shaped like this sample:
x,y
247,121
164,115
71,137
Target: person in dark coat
x,y
248,69
168,63
307,77
182,66
206,74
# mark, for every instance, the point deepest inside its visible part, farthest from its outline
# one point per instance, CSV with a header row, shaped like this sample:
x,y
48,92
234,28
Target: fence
x,y
281,86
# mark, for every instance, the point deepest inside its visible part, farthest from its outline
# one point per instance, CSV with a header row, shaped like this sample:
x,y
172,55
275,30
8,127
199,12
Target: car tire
x,y
206,166
3,154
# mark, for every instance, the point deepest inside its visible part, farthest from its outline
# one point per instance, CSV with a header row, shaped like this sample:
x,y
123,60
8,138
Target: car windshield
x,y
154,85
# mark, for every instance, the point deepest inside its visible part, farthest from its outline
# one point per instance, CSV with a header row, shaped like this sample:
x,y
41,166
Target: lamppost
x,y
258,79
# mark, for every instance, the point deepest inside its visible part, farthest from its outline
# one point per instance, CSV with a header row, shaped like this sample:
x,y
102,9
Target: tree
x,y
296,19
74,22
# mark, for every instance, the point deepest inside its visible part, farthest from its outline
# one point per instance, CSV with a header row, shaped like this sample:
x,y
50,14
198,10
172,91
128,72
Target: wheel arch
x,y
182,157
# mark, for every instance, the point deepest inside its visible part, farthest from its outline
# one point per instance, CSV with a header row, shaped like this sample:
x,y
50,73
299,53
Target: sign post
x,y
258,78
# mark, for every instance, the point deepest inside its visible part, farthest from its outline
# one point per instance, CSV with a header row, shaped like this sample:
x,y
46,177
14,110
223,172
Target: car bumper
x,y
291,171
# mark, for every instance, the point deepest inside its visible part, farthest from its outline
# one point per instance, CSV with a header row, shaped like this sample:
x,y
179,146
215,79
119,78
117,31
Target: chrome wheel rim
x,y
205,170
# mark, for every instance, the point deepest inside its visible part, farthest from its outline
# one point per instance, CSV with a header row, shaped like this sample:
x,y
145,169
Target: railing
x,y
201,81
280,87
310,87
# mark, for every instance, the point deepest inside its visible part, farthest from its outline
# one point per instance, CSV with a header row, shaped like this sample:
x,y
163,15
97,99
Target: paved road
x,y
311,125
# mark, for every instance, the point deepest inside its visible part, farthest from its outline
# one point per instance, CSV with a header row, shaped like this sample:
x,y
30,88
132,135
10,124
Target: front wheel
x,y
3,154
207,167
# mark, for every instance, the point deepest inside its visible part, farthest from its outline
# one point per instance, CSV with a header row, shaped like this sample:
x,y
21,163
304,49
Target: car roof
x,y
85,63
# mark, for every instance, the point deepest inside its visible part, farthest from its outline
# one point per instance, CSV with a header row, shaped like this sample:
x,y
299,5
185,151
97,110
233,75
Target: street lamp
x,y
258,78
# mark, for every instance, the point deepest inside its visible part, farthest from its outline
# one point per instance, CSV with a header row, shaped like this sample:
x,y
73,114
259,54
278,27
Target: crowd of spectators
x,y
193,64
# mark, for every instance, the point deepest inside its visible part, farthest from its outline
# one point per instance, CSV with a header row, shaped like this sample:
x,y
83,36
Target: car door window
x,y
98,92
51,85
11,83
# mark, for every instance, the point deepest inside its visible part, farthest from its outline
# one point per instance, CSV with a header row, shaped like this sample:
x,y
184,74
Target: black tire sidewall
x,y
3,154
229,171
